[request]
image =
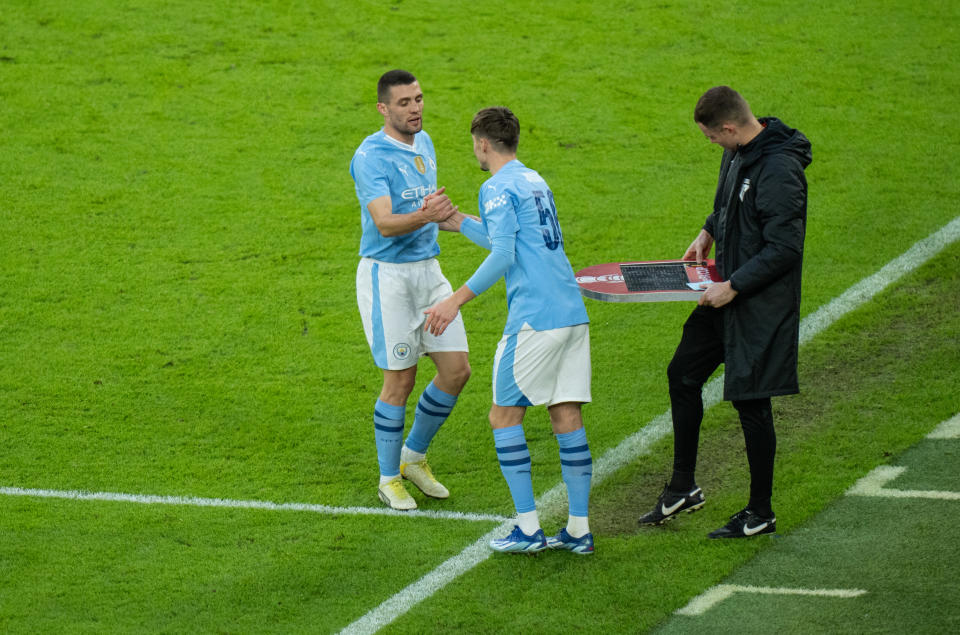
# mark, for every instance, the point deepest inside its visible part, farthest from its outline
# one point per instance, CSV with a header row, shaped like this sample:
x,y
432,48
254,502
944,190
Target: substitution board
x,y
647,281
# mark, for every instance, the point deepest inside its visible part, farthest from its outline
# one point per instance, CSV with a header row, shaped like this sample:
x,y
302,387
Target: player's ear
x,y
382,108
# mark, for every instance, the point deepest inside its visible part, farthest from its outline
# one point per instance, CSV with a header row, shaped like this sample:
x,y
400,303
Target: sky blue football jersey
x,y
383,166
541,287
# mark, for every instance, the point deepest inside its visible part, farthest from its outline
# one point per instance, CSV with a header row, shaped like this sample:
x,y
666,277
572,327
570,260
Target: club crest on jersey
x,y
421,166
401,351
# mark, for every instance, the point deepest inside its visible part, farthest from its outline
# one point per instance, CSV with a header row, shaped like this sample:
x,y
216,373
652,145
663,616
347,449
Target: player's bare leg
x,y
506,416
397,386
565,417
453,371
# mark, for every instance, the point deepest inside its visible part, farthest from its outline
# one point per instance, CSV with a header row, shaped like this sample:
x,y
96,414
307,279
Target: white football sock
x,y
409,456
528,522
577,526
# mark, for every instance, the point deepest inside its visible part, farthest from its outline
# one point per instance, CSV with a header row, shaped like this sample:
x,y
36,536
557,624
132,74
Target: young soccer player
x,y
395,172
544,355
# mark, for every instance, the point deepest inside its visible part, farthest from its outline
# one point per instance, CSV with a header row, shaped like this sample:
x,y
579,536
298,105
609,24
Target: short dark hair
x,y
720,105
499,125
390,79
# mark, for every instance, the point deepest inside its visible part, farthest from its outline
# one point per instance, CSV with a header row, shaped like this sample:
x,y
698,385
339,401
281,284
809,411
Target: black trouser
x,y
699,353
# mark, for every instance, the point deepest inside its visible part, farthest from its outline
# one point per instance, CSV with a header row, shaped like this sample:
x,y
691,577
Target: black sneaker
x,y
672,503
745,523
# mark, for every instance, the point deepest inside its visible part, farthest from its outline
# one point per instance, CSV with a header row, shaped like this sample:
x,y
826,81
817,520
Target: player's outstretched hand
x,y
452,224
440,315
699,249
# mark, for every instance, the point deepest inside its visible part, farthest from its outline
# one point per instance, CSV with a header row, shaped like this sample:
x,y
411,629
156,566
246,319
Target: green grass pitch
x,y
177,313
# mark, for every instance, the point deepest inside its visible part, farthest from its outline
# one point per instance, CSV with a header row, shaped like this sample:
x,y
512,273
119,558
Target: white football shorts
x,y
392,298
533,368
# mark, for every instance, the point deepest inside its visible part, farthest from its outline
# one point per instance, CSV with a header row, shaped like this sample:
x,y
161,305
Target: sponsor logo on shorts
x,y
401,351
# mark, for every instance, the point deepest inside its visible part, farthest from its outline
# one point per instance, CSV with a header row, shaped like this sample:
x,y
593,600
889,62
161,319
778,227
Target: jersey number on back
x,y
552,237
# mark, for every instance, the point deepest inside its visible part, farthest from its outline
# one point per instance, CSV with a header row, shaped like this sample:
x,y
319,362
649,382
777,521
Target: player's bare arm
x,y
435,209
700,248
441,314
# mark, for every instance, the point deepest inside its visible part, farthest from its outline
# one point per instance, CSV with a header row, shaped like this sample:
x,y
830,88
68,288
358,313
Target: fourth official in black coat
x,y
750,322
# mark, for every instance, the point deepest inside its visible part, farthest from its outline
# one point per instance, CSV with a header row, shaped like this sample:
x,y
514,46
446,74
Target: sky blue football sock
x,y
432,410
576,467
514,460
388,432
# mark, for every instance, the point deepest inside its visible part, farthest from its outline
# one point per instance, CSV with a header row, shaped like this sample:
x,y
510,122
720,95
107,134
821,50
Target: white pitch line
x,y
918,493
714,595
874,481
191,501
863,291
949,429
640,442
873,484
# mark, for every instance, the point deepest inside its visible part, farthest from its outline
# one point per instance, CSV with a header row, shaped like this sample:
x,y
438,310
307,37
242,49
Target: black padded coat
x,y
758,224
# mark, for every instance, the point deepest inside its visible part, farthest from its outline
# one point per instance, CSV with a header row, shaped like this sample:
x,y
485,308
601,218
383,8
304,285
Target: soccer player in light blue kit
x,y
544,355
395,173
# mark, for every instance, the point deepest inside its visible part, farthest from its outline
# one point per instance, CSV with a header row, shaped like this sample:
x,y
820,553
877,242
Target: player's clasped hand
x,y
438,207
440,315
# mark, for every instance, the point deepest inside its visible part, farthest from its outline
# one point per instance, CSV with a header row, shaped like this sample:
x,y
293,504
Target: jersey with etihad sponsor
x,y
541,288
384,166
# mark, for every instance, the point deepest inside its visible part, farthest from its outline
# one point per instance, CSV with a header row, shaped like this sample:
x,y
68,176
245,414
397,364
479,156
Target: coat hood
x,y
778,138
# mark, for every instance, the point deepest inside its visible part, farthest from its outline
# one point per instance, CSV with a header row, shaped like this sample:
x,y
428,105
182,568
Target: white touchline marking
x,y
245,504
874,481
714,595
873,485
863,291
639,443
949,429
